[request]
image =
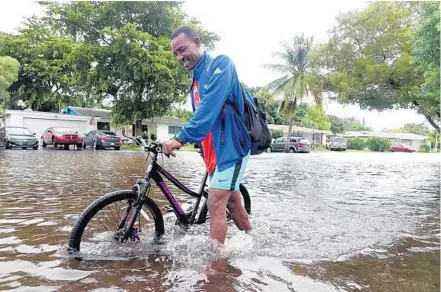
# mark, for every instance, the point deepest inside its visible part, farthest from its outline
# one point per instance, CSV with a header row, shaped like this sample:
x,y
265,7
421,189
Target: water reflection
x,y
322,222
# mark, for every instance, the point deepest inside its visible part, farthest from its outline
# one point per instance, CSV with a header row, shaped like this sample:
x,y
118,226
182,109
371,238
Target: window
x,y
103,126
173,130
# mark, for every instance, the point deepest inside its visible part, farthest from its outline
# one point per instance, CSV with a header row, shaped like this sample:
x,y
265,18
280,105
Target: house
x,y
164,128
38,122
315,136
410,139
100,117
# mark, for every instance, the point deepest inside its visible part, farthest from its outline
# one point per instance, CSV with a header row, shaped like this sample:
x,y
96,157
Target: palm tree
x,y
298,80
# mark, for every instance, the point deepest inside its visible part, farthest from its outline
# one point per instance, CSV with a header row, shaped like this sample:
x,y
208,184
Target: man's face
x,y
186,50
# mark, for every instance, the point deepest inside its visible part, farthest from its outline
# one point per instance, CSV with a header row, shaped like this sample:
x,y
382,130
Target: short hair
x,y
187,30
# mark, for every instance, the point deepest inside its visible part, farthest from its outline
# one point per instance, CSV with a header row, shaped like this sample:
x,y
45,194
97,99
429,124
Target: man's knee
x,y
217,200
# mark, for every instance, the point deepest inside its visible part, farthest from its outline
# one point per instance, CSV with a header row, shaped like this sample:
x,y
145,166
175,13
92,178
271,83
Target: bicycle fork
x,y
141,187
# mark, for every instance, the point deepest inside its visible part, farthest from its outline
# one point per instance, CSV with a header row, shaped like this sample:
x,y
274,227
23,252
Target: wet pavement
x,y
325,221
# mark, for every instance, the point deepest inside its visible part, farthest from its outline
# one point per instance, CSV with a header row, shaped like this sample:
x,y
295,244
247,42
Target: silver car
x,y
101,139
297,144
337,143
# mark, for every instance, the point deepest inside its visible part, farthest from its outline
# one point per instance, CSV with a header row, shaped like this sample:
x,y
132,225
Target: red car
x,y
61,136
402,148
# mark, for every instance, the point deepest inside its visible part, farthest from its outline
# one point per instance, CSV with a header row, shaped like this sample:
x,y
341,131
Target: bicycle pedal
x,y
168,208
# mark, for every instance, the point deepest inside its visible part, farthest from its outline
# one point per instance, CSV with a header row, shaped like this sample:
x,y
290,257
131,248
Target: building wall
x,y
162,133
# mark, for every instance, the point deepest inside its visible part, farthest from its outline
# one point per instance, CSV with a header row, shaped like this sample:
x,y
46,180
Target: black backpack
x,y
255,121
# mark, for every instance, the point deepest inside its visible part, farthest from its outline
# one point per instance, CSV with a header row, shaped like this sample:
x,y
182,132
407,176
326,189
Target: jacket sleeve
x,y
217,90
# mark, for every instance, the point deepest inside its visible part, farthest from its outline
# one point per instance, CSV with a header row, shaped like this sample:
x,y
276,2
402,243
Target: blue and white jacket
x,y
216,126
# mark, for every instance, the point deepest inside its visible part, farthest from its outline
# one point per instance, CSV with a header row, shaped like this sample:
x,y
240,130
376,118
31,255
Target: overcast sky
x,y
250,32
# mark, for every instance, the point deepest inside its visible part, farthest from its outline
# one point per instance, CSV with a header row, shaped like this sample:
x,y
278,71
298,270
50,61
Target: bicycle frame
x,y
154,171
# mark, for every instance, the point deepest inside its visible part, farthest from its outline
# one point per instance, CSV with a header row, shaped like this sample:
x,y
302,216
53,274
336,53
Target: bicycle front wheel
x,y
105,222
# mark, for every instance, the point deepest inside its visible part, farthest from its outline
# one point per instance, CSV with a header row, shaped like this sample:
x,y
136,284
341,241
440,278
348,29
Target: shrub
x,y
277,134
378,144
153,136
356,143
145,135
424,148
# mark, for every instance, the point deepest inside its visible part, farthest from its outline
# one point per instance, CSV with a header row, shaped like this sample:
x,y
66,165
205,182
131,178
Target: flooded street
x,y
325,221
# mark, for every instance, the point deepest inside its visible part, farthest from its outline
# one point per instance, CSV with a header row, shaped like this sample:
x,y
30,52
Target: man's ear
x,y
197,41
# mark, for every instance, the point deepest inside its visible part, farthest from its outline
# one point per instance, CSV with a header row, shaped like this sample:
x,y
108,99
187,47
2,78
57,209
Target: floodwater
x,y
325,221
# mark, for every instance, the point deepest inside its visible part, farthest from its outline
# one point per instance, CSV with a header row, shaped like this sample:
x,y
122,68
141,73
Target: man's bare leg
x,y
217,204
238,212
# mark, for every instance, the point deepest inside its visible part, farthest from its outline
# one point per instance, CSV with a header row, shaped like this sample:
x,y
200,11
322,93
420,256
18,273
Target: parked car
x,y
402,148
297,144
100,139
17,137
61,136
337,143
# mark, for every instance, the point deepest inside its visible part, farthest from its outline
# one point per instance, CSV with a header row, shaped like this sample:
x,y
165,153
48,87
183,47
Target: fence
x,y
315,138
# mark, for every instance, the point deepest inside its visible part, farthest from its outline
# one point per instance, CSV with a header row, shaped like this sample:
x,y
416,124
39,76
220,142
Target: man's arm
x,y
217,90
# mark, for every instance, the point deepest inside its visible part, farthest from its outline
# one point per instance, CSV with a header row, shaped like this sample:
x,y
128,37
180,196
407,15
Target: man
x,y
218,126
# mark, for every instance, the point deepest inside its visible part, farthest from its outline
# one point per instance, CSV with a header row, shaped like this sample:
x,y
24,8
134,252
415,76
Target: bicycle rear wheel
x,y
246,201
105,222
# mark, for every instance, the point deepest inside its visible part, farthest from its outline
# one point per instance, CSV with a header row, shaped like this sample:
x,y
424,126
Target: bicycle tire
x,y
246,201
79,227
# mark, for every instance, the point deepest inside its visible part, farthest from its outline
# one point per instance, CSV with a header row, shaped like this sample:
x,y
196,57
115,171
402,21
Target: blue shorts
x,y
230,178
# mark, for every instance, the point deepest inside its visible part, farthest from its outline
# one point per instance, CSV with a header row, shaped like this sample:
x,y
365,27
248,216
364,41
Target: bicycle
x,y
135,205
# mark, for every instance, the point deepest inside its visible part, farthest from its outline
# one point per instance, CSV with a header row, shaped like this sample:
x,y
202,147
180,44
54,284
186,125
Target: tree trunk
x,y
291,122
288,137
426,115
432,122
138,128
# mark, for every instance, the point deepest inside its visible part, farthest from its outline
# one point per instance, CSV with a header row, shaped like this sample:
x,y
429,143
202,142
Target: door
x,y
88,138
279,144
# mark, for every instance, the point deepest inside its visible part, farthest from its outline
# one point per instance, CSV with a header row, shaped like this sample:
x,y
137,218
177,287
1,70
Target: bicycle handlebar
x,y
154,147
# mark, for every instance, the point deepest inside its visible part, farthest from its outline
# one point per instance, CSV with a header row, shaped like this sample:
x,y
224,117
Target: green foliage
x,y
318,117
341,125
426,52
145,135
378,144
420,129
270,105
96,53
356,143
424,148
337,126
277,134
182,114
368,60
8,74
153,137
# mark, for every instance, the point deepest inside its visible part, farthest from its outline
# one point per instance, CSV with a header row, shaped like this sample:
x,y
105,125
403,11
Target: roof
x,y
167,120
296,128
91,112
390,135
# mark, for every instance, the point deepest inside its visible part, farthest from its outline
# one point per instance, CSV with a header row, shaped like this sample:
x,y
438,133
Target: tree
x,y
45,80
318,117
420,129
8,74
368,60
116,53
297,81
337,125
425,49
